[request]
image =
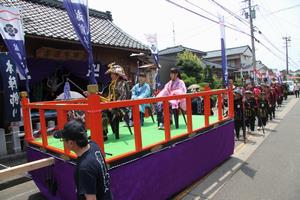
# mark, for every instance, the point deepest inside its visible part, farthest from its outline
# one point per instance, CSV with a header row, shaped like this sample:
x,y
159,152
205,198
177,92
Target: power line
x,y
201,8
283,9
205,17
231,13
247,23
233,25
214,21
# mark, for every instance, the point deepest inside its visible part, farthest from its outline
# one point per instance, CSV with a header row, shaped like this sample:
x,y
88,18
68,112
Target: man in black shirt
x,y
91,176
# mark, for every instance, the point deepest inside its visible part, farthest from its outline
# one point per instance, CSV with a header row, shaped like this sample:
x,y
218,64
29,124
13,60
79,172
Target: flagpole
x,y
223,52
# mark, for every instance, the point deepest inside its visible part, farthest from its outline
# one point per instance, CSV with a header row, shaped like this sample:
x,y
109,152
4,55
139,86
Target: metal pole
x,y
287,39
251,12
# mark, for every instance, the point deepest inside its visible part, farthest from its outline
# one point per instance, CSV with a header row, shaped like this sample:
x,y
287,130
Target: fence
x,y
93,108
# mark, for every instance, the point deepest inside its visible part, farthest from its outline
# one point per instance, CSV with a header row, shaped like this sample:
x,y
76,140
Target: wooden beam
x,y
22,169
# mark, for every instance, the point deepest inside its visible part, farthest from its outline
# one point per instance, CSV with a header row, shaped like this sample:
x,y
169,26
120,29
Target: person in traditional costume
x,y
141,90
250,110
196,101
270,97
239,121
279,92
118,90
174,87
262,110
285,90
198,104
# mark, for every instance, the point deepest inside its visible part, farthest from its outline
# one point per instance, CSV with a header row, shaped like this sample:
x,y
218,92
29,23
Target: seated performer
x,y
118,90
139,91
174,87
197,105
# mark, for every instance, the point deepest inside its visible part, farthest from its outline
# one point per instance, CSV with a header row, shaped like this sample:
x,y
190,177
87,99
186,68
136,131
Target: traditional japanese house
x,y
54,52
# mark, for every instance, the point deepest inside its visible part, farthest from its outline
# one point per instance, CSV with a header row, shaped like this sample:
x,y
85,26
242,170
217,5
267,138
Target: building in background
x,y
168,59
54,52
239,59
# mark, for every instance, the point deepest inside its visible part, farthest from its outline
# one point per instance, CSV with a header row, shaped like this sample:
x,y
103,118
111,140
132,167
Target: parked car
x,y
291,86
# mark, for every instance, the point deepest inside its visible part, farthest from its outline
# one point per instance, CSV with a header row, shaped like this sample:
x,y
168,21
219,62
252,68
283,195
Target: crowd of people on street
x,y
255,105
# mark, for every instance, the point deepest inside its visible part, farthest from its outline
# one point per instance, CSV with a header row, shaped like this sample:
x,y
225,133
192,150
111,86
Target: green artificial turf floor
x,y
150,135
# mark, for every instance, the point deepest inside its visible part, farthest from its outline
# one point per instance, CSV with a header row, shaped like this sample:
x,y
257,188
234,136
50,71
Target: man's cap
x,y
248,92
73,130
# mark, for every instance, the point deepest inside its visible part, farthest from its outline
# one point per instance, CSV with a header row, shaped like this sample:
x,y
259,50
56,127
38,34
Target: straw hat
x,y
116,69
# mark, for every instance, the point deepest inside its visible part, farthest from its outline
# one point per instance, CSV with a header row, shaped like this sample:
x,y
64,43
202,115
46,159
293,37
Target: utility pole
x,y
251,14
287,40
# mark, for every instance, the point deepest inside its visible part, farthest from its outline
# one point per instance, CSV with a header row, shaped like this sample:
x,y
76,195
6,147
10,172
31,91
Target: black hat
x,y
142,74
73,130
175,70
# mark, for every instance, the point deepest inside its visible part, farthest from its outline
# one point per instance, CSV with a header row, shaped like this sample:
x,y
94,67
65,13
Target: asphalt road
x,y
271,173
273,170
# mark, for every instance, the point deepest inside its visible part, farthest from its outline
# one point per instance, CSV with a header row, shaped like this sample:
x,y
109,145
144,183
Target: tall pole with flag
x,y
278,76
152,40
78,13
12,33
223,52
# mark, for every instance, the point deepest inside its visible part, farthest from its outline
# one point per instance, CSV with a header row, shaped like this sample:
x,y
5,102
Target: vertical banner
x,y
12,33
152,40
268,77
223,52
10,86
78,13
278,76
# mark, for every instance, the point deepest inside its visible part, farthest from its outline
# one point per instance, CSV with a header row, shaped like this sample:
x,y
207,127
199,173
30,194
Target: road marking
x,y
239,147
236,166
210,188
224,176
271,125
215,192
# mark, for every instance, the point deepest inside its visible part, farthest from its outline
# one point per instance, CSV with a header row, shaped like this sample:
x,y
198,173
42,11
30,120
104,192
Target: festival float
x,y
146,163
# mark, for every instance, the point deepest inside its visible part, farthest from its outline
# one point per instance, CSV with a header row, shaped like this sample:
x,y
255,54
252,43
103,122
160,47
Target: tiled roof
x,y
216,65
48,18
178,49
229,51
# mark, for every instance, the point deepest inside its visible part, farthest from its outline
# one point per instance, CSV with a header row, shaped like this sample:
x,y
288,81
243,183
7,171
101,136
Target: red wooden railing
x,y
93,107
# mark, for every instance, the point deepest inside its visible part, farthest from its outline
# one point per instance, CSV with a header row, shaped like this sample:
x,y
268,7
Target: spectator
x,y
91,176
296,90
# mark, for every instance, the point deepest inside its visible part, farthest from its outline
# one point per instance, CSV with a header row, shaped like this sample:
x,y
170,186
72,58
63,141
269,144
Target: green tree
x,y
208,76
191,66
216,83
188,80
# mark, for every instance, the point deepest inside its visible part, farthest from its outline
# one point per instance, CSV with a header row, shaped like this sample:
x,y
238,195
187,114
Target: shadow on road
x,y
212,183
37,196
248,170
